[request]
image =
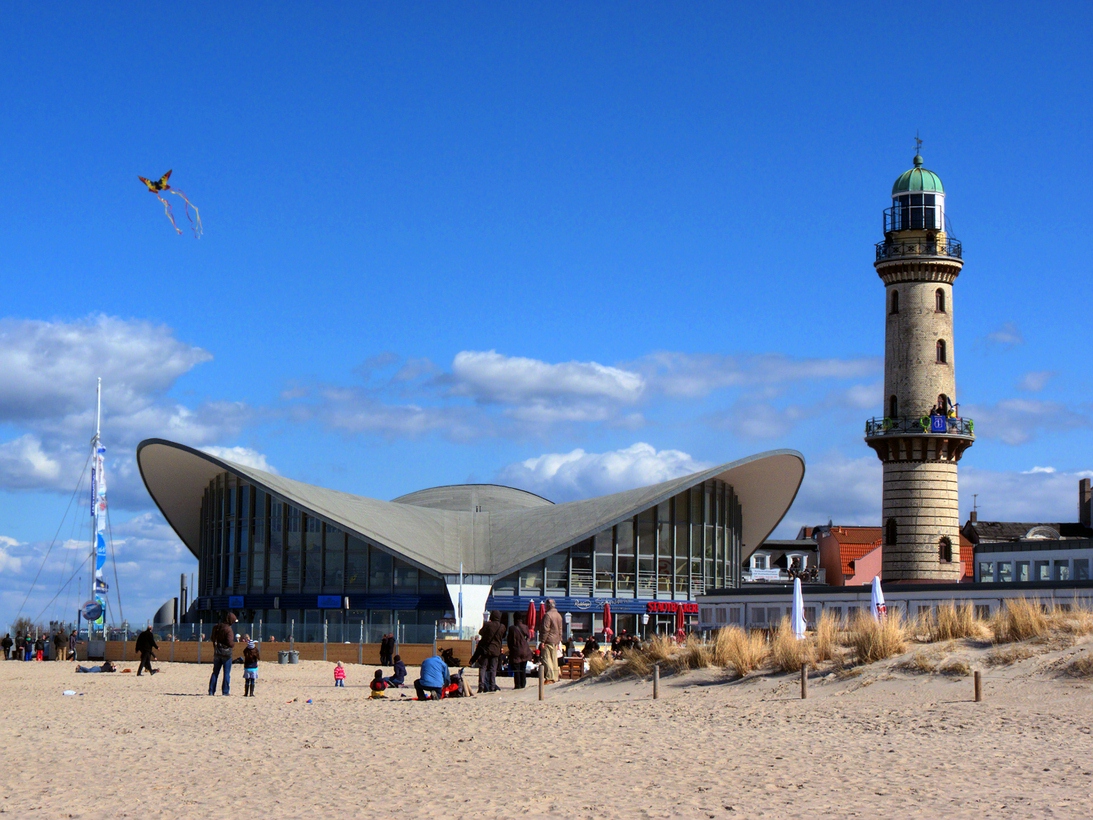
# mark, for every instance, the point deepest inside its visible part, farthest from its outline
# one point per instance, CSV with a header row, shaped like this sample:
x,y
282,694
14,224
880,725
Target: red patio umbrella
x,y
531,617
542,611
607,631
681,623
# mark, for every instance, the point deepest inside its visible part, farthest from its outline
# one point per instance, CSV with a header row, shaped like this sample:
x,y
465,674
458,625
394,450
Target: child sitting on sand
x,y
251,656
339,674
378,685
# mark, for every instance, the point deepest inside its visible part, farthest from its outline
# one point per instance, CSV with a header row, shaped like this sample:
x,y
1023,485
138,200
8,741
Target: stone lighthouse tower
x,y
921,435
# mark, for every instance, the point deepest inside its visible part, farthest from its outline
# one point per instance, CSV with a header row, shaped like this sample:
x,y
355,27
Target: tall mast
x,y
95,489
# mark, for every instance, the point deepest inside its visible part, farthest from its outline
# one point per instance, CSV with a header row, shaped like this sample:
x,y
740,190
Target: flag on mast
x,y
98,482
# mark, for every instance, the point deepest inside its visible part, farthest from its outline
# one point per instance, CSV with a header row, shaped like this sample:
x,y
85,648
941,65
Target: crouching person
x,y
434,677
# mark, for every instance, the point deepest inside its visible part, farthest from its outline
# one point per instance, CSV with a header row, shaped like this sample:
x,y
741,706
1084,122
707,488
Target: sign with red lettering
x,y
671,607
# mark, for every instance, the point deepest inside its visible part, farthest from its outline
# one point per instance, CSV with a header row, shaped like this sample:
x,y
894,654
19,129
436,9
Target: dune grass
x,y
739,650
826,639
950,622
874,640
1019,620
787,652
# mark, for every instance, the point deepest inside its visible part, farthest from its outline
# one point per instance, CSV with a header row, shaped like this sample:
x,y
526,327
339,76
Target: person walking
x,y
519,651
551,637
146,644
72,641
223,637
492,636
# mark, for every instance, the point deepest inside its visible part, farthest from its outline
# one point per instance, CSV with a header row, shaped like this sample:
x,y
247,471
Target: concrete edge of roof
x,y
752,483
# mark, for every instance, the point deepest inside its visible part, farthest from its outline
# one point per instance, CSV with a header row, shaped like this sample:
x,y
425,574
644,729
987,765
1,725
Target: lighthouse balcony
x,y
925,426
925,245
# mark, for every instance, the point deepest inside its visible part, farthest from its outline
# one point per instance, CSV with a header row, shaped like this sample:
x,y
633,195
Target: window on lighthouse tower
x,y
939,300
895,302
942,357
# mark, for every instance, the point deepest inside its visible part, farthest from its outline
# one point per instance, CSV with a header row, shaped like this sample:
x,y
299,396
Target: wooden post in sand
x,y
804,681
656,681
291,634
542,679
978,687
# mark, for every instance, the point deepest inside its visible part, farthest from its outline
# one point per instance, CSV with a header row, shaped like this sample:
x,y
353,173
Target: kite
x,y
155,186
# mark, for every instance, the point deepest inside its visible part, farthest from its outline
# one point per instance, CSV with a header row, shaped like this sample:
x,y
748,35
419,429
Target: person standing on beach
x,y
39,649
58,646
146,644
519,651
551,636
72,641
20,646
223,643
492,634
6,644
251,655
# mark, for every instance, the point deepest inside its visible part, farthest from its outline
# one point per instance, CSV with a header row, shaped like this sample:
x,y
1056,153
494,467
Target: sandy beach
x,y
882,743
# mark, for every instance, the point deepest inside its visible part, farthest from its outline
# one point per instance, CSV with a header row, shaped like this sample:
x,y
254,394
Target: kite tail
x,y
170,214
195,222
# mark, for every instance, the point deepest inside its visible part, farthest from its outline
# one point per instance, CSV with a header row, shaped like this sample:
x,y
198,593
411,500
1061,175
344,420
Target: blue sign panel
x,y
939,424
330,602
235,602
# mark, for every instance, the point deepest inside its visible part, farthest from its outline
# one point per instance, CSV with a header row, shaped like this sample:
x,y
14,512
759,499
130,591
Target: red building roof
x,y
855,543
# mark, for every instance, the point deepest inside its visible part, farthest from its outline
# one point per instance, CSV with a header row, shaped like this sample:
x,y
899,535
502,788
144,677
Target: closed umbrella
x,y
607,631
532,620
879,609
542,611
798,610
681,623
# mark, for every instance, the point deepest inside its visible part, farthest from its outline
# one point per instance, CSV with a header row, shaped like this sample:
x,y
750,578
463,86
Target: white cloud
x,y
47,394
1008,335
8,562
491,377
843,490
1040,494
244,456
577,474
25,465
689,375
48,369
1035,381
1016,421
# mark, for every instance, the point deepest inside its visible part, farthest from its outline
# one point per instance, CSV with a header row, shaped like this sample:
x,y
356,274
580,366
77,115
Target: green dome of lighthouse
x,y
918,179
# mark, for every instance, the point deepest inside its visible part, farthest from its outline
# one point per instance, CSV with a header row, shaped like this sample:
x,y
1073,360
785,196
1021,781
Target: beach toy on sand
x,y
309,700
69,692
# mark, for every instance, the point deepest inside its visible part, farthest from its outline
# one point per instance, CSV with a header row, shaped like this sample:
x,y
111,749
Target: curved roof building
x,y
285,549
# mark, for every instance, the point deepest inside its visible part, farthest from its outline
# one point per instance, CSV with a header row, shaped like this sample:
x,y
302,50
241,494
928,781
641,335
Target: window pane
x,y
333,573
405,577
605,561
293,551
557,573
580,578
647,569
379,571
356,566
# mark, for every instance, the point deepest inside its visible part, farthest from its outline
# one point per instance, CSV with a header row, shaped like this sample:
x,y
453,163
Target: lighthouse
x,y
921,434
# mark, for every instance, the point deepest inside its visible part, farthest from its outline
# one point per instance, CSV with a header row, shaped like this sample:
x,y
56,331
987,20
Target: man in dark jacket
x,y
492,635
519,651
7,644
223,644
146,643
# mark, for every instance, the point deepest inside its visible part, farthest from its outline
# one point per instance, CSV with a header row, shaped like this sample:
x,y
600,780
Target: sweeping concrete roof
x,y
490,530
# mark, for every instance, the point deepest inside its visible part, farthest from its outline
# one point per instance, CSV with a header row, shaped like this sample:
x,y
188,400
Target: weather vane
x,y
918,143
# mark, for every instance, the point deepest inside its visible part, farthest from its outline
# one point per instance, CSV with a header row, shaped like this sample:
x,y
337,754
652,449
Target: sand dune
x,y
883,743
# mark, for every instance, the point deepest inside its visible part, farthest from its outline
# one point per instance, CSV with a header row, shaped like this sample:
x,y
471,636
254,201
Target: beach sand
x,y
881,744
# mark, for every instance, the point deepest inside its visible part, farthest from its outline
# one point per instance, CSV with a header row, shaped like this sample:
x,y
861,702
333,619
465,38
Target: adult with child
x,y
551,638
223,637
146,645
519,651
434,677
398,677
492,635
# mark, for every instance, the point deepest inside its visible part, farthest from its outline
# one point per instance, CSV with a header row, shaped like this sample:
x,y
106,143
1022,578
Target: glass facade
x,y
675,550
257,546
283,560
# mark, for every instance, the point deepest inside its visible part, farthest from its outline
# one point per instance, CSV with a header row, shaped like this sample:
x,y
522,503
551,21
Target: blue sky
x,y
571,248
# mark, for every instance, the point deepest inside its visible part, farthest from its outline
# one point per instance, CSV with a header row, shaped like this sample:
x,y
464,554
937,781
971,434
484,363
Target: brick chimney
x,y
1085,502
